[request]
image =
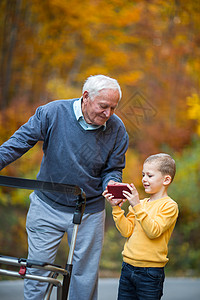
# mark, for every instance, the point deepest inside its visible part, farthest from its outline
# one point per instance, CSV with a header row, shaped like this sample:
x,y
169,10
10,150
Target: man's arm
x,y
116,162
23,139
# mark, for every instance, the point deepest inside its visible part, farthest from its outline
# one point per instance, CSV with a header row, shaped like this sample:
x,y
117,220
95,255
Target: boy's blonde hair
x,y
166,164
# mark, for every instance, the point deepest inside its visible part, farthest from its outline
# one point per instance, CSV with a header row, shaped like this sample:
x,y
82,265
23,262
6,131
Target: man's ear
x,y
167,180
85,96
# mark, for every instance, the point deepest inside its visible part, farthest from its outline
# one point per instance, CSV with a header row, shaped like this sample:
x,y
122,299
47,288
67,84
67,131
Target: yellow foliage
x,y
94,70
193,69
20,196
133,170
59,90
18,234
116,58
194,109
3,197
131,78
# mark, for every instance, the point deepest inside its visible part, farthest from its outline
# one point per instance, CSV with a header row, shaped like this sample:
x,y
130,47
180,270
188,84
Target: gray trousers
x,y
45,227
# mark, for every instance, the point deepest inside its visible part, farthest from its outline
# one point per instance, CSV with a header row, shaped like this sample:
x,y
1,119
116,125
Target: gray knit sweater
x,y
72,155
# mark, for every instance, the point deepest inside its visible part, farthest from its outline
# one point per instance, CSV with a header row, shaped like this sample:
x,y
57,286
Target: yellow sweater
x,y
148,227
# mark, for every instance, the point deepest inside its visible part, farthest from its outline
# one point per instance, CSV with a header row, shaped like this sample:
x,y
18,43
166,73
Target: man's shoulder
x,y
58,103
116,128
54,106
116,121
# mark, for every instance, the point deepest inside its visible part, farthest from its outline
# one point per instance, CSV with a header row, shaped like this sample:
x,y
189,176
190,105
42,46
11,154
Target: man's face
x,y
101,107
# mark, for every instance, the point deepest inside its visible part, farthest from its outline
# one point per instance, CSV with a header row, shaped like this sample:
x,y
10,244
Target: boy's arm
x,y
154,227
125,225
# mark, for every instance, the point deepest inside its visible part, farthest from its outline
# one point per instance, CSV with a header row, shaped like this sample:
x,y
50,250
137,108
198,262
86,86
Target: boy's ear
x,y
167,180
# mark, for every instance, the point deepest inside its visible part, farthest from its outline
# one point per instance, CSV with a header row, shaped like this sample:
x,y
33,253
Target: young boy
x,y
147,227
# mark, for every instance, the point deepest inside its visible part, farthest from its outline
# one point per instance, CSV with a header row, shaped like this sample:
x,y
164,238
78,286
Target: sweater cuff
x,y
116,209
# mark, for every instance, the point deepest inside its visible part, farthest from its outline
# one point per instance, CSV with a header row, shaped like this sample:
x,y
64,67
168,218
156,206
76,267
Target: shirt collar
x,y
80,118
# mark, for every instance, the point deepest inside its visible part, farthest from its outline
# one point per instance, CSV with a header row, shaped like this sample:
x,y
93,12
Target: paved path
x,y
175,289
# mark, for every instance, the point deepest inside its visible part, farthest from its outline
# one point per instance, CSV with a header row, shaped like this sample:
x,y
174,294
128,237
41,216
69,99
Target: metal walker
x,y
55,270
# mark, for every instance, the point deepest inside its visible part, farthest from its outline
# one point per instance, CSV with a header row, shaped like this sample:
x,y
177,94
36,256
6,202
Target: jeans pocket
x,y
126,267
156,273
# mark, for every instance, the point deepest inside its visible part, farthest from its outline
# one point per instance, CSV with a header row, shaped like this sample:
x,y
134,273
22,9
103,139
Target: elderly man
x,y
84,143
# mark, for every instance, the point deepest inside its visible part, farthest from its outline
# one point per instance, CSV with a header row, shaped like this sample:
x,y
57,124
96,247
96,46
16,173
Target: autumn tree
x,y
48,48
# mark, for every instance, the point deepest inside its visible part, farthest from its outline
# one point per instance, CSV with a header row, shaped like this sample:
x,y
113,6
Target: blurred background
x,y
47,50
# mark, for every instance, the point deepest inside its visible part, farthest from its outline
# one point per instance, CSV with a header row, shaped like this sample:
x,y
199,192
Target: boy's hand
x,y
133,197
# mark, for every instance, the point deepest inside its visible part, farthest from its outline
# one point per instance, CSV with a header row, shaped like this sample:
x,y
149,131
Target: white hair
x,y
94,84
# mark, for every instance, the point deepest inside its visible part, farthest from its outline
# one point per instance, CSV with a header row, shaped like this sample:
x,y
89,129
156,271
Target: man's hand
x,y
109,197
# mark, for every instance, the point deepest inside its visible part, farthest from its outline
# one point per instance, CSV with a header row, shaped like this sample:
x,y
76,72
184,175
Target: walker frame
x,y
55,270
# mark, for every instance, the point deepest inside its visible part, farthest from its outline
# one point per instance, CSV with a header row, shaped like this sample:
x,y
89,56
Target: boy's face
x,y
153,180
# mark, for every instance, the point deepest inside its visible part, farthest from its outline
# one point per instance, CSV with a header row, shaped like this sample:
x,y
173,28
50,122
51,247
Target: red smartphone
x,y
116,190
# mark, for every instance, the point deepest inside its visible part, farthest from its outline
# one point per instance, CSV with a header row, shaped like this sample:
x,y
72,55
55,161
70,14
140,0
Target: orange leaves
x,y
11,119
131,78
150,46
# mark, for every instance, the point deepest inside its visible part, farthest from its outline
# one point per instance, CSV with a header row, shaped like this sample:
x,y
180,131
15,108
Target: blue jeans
x,y
137,283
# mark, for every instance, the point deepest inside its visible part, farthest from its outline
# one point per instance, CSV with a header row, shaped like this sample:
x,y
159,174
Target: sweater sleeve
x,y
125,224
165,217
116,162
23,139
